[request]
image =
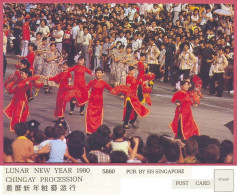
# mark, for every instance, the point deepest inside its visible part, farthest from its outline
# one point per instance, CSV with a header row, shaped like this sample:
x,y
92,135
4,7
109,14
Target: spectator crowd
x,y
112,36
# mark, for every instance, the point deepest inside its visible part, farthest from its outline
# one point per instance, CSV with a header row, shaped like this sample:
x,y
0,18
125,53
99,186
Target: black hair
x,y
75,149
118,132
121,46
48,131
39,137
152,141
129,46
118,157
26,71
191,146
21,128
152,39
211,153
76,136
45,21
140,148
142,54
203,141
33,45
130,68
39,33
183,82
81,57
26,63
96,141
44,39
104,130
172,152
52,44
226,147
92,158
7,146
58,131
66,62
99,69
155,154
52,39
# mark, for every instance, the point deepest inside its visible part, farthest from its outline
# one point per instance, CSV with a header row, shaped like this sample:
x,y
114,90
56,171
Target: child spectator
x,y
97,55
119,143
226,148
161,60
38,138
96,142
105,132
77,152
23,148
118,157
211,154
105,53
33,127
191,149
48,136
154,151
58,147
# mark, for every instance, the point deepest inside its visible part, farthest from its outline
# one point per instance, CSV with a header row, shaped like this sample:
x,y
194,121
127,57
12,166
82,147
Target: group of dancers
x,y
136,92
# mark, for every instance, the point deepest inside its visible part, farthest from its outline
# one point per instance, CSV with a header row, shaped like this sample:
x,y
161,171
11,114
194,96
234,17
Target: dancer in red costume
x,y
63,79
79,96
18,110
183,125
16,77
132,106
94,113
31,56
143,89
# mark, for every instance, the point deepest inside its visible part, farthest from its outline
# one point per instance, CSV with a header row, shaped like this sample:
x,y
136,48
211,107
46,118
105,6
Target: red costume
x,y
131,95
30,57
80,92
62,79
26,31
18,110
94,113
184,113
13,79
144,77
141,70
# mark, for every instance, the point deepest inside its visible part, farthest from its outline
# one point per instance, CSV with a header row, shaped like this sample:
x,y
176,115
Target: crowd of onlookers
x,y
109,35
57,145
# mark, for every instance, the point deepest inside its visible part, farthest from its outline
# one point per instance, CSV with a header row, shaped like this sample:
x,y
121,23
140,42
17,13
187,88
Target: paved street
x,y
211,115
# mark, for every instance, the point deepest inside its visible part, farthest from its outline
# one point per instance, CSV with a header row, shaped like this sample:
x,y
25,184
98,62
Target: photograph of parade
x,y
118,83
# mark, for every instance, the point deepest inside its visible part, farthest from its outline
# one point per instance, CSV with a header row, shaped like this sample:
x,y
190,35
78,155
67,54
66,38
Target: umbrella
x,y
222,12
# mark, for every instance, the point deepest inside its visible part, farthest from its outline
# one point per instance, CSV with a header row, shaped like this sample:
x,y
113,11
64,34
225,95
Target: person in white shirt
x,y
127,9
79,39
206,16
176,10
58,35
86,44
132,12
43,28
122,38
75,30
137,43
216,73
